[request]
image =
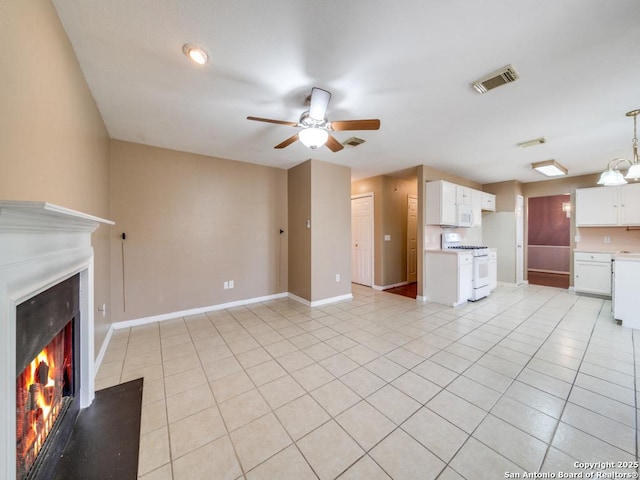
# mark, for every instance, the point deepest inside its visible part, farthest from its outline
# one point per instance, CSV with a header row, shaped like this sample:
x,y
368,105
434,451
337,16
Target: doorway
x,y
549,241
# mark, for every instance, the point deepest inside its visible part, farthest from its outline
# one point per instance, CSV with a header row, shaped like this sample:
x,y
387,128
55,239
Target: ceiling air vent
x,y
353,142
532,143
495,79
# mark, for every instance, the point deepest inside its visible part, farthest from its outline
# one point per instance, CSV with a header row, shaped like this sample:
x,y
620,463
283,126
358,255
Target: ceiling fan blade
x,y
333,144
319,103
269,120
340,125
287,142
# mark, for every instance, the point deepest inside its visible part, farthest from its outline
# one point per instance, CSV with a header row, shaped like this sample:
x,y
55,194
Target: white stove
x,y
453,241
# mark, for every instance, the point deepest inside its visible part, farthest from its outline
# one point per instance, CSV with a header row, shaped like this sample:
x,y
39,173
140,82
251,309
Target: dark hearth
x,y
106,437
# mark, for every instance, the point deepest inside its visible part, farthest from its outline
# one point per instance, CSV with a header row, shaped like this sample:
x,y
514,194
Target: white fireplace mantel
x,y
41,244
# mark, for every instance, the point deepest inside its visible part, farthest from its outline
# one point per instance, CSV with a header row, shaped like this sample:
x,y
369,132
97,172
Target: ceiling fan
x,y
315,126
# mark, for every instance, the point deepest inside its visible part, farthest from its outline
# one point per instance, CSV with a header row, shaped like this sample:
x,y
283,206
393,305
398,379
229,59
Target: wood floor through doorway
x,y
410,290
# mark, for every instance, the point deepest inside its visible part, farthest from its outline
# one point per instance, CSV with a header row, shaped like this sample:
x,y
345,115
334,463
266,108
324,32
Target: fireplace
x,y
46,376
43,248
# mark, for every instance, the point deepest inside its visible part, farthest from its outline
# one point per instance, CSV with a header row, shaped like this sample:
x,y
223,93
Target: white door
x,y
519,239
412,238
362,239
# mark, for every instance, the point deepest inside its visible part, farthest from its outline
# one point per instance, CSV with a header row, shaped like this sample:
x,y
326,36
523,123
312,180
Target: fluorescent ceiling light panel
x,y
550,168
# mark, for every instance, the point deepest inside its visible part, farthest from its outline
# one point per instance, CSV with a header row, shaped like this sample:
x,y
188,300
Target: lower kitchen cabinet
x,y
592,273
448,277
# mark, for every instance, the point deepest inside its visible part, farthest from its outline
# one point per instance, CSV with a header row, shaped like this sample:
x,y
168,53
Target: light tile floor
x,y
531,379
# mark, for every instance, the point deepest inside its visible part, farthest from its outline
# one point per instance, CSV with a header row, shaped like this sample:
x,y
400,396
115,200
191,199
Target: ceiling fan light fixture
x,y
550,168
313,137
195,54
634,172
611,177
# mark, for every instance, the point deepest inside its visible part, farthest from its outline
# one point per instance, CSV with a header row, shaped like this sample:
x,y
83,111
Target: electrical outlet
x,y
337,277
226,285
231,283
387,238
607,239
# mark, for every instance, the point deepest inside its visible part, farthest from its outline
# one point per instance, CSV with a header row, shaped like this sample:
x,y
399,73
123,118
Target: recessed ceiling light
x,y
195,54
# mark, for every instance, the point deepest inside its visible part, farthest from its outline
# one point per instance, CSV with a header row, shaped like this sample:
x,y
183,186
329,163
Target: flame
x,y
44,404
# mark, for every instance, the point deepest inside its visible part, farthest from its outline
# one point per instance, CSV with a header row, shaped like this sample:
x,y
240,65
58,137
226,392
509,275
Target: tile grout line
x,y
374,324
564,406
470,435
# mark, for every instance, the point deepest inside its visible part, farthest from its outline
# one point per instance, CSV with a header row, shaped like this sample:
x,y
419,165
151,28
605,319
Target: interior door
x,y
362,239
412,238
519,239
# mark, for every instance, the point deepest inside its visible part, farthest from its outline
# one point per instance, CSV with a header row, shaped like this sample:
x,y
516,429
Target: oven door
x,y
480,277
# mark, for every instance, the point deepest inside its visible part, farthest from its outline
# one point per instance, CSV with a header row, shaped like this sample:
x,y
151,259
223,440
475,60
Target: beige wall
x,y
330,230
193,222
506,193
54,146
319,193
299,187
390,218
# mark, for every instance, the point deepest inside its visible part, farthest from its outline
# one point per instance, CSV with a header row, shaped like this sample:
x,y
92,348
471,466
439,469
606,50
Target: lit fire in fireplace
x,y
41,394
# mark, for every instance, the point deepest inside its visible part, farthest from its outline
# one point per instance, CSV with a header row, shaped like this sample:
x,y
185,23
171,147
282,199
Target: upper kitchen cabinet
x,y
629,204
448,204
440,203
488,201
464,195
608,206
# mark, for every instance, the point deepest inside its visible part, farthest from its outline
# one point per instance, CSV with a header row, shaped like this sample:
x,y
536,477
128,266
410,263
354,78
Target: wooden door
x,y
412,238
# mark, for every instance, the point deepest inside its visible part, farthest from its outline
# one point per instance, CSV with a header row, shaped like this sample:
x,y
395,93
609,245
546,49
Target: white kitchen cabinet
x,y
463,195
440,203
592,273
493,268
608,206
448,277
629,200
476,207
488,201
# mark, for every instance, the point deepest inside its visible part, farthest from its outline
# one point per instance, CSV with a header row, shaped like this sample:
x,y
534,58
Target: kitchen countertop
x,y
629,256
446,251
593,250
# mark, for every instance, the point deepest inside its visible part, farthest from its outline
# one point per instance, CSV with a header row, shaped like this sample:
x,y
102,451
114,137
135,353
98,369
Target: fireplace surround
x,y
41,245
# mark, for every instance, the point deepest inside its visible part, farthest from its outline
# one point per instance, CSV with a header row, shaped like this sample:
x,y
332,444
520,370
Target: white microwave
x,y
465,215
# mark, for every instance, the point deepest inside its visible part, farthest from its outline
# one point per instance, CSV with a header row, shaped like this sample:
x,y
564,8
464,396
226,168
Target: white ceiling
x,y
409,63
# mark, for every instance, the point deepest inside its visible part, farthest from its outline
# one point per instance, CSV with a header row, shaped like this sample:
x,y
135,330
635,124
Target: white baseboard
x,y
211,308
194,311
319,303
385,287
103,350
